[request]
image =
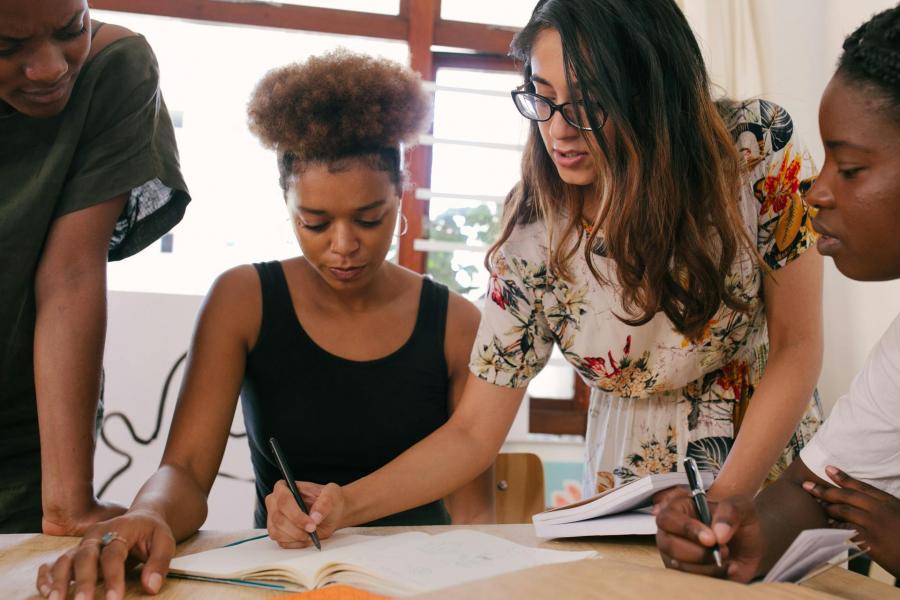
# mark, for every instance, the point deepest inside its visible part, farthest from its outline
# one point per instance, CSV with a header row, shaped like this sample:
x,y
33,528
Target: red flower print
x,y
497,292
627,345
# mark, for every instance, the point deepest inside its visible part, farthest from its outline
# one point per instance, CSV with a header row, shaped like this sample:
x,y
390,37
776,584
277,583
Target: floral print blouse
x,y
656,396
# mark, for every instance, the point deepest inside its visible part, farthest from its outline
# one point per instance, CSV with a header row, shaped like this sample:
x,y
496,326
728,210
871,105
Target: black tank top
x,y
337,419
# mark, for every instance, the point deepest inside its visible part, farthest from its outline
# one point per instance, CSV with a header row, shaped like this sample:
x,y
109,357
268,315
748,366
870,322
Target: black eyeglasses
x,y
535,107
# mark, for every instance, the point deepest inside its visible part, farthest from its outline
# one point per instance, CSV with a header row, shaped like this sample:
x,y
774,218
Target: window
x,y
477,145
381,7
237,214
509,14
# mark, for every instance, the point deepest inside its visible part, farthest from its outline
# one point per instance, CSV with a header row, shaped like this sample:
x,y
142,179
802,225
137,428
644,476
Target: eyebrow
x,y
838,144
370,206
69,23
539,79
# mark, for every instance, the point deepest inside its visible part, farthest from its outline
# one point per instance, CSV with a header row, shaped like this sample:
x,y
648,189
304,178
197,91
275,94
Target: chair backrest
x,y
519,478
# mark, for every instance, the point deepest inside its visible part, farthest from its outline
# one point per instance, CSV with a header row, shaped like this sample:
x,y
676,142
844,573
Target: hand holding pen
x,y
699,497
289,480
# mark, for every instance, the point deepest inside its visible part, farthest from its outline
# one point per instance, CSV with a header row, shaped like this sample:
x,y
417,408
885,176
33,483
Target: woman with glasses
x,y
674,275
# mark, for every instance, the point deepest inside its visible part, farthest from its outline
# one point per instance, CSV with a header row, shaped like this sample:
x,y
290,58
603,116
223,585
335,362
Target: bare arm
x,y
70,328
454,454
793,307
474,502
171,505
226,330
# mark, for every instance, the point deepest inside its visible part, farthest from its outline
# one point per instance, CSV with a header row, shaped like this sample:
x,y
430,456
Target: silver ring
x,y
111,536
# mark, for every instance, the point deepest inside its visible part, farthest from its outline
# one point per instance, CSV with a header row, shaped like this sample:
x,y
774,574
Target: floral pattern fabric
x,y
656,396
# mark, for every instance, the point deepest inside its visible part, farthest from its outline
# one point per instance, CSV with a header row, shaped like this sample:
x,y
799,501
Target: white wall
x,y
146,335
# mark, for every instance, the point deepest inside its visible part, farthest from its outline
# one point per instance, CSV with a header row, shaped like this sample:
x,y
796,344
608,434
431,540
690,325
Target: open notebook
x,y
395,565
623,510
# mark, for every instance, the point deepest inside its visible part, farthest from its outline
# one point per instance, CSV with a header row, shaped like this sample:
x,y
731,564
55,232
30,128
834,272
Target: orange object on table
x,y
334,592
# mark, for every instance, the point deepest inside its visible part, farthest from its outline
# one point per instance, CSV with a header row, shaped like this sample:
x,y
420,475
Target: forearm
x,y
68,353
474,503
436,466
778,404
785,509
176,497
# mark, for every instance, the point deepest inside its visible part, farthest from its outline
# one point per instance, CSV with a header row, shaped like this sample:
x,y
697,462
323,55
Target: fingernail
x,y
832,471
809,486
316,516
310,527
45,589
721,530
154,582
80,596
54,595
707,537
111,595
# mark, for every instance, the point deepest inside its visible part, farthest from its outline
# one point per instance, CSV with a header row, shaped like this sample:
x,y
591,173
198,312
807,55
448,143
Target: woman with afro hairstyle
x,y
344,357
849,473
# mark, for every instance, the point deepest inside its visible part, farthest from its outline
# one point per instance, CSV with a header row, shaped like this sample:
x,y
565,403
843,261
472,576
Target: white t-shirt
x,y
862,434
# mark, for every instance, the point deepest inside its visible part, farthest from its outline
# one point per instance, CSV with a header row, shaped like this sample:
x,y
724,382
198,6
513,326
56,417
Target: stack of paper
x,y
623,510
813,548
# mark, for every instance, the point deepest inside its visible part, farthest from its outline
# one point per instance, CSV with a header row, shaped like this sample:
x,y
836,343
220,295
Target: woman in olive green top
x,y
88,172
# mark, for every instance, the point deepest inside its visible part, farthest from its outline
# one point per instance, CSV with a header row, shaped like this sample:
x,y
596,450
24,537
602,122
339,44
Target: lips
x,y
827,244
345,273
47,95
569,158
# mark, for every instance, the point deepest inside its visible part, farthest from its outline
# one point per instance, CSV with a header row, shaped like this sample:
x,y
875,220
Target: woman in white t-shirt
x,y
850,471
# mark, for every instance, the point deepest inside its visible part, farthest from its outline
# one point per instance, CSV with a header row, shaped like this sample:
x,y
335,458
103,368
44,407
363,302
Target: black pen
x,y
289,479
699,495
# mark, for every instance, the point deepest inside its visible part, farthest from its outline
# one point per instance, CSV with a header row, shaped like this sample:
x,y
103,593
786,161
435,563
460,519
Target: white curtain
x,y
728,34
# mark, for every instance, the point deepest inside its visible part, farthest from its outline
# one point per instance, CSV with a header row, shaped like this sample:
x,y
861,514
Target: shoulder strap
x,y
432,317
276,298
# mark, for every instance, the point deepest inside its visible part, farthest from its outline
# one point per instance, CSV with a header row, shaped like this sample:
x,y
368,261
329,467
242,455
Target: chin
x,y
866,270
577,177
42,111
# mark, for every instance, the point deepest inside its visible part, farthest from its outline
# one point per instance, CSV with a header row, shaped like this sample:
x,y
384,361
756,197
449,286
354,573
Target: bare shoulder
x,y
107,34
235,302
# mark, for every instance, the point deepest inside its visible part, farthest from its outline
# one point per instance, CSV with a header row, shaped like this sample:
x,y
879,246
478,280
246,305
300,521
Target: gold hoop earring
x,y
404,225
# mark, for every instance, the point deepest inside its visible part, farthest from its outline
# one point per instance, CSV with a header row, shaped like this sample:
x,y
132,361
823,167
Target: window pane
x,y
237,214
510,13
381,7
487,117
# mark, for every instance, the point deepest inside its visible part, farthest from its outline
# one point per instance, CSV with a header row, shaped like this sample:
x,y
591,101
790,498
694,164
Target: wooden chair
x,y
519,480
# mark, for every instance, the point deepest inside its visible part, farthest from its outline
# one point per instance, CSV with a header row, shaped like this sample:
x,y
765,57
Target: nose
x,y
561,129
820,195
344,241
47,64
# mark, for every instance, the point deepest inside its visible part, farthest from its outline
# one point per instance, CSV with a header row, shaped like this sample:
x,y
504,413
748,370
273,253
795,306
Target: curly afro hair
x,y
339,105
872,56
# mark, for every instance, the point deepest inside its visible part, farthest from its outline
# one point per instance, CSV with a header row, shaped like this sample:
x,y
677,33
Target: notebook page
x,y
448,559
809,550
242,560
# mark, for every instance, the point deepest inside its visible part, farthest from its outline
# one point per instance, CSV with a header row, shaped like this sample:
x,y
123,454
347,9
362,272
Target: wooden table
x,y
629,567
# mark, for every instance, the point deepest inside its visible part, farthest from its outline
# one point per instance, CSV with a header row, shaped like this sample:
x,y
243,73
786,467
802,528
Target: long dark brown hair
x,y
668,177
